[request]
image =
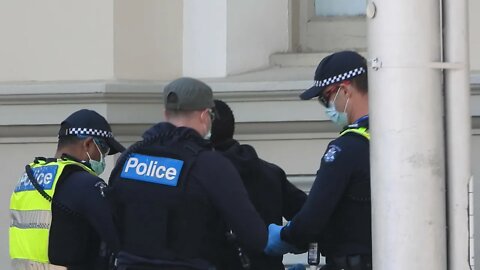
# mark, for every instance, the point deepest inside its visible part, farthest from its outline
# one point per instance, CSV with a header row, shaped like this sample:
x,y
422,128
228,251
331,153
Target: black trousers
x,y
351,262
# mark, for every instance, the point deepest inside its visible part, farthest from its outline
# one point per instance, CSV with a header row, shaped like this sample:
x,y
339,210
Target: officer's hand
x,y
275,245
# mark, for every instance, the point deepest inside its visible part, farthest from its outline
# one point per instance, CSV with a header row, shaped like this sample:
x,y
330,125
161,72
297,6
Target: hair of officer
x,y
65,141
361,81
223,126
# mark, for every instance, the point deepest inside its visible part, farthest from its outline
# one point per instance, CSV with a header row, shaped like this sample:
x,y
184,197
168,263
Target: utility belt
x,y
351,262
150,267
128,261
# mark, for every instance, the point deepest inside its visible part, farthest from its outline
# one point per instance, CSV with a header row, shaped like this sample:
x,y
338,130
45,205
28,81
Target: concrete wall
x,y
220,41
205,38
56,40
148,39
250,42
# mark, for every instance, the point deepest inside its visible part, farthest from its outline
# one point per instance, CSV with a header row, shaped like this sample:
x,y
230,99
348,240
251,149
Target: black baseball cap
x,y
335,68
187,94
90,123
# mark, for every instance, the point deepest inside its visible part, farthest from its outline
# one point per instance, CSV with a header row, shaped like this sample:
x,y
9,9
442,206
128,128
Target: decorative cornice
x,y
244,131
126,92
150,92
29,116
475,83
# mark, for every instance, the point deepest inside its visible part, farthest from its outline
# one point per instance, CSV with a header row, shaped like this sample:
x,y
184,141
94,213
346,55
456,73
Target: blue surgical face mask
x,y
97,166
339,118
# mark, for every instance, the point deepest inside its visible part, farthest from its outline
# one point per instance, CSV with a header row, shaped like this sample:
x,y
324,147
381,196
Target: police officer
x,y
172,194
58,212
269,190
337,213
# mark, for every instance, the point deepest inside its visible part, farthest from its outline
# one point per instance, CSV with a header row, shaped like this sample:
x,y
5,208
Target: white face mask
x,y
209,132
97,166
339,118
209,127
208,135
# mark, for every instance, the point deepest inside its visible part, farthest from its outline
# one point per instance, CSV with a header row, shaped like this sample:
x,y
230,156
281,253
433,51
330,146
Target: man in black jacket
x,y
269,190
170,198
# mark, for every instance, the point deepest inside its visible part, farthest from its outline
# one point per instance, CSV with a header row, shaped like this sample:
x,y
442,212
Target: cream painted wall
x,y
205,38
224,42
250,42
474,9
56,40
148,39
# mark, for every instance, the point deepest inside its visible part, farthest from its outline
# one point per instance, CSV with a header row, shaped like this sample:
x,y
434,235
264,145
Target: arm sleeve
x,y
226,191
293,199
327,190
81,193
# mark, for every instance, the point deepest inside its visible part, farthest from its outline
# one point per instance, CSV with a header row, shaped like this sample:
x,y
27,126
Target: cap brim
x,y
115,147
312,92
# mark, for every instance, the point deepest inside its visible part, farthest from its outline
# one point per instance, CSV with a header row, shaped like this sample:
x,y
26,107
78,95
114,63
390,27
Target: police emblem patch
x,y
331,153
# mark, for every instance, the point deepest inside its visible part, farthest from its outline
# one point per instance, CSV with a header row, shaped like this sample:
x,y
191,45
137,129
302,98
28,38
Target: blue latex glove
x,y
275,245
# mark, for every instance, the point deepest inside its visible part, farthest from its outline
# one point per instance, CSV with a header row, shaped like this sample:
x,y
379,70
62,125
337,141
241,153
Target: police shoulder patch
x,y
331,153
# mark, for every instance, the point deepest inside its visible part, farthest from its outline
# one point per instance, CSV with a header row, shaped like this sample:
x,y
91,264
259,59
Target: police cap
x,y
187,94
90,123
335,68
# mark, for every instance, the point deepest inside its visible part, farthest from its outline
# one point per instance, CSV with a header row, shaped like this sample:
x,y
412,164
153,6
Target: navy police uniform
x,y
271,193
337,212
81,220
172,195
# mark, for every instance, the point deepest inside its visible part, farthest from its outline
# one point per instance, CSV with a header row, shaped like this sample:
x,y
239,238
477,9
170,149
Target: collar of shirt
x,y
361,119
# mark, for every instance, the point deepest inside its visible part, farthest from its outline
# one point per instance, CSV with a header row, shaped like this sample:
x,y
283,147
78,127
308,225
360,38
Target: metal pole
x,y
458,130
407,146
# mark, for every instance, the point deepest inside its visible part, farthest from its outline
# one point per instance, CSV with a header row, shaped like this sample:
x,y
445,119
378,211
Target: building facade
x,y
115,56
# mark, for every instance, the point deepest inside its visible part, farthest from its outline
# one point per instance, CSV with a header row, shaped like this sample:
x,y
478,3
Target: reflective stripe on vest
x,y
30,212
31,219
361,130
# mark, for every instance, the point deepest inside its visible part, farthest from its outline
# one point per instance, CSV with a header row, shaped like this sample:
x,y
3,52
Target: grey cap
x,y
187,94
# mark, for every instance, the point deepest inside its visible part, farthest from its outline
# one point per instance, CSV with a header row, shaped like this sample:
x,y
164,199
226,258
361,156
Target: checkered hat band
x,y
338,78
89,131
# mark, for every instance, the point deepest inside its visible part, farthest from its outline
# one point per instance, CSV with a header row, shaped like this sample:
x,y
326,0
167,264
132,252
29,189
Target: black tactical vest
x,y
158,216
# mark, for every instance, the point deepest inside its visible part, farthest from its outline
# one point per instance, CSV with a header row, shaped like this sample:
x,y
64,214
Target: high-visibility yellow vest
x,y
31,213
361,130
